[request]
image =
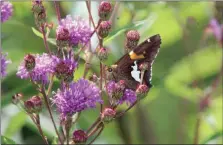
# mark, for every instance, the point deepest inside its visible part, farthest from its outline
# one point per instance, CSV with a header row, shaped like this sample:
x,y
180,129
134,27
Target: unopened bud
x,y
79,137
102,54
104,29
108,115
94,78
29,62
205,103
142,91
132,39
33,105
63,37
63,72
37,6
105,9
144,66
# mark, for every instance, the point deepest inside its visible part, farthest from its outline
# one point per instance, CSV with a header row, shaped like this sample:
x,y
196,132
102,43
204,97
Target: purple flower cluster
x,y
79,30
6,10
78,96
45,64
4,64
118,91
216,28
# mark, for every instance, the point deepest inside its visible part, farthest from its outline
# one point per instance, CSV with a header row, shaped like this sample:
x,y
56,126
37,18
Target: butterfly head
x,y
110,71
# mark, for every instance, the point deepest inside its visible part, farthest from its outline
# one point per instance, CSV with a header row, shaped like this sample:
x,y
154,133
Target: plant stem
x,y
50,112
101,77
197,129
50,85
100,131
94,124
122,113
45,40
57,10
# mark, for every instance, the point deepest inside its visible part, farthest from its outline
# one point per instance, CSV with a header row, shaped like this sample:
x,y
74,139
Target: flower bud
x,y
37,6
29,62
79,137
94,78
102,54
104,29
142,91
63,71
132,39
63,37
33,105
205,103
108,115
105,9
144,66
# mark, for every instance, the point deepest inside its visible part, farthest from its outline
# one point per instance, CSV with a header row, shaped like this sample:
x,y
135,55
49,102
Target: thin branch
x,y
100,131
50,112
197,130
50,85
57,10
122,113
94,124
45,40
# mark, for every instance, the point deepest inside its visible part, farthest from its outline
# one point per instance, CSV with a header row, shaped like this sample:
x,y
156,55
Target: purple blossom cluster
x,y
6,10
77,97
216,28
44,65
79,29
118,91
4,63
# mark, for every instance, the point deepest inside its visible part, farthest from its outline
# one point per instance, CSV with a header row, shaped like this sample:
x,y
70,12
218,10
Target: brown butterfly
x,y
145,52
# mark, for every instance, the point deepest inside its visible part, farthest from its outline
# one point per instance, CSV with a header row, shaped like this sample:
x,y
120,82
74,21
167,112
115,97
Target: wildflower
x,y
77,97
4,64
6,10
105,9
79,136
104,29
119,94
44,65
216,29
132,39
108,115
33,105
64,69
78,28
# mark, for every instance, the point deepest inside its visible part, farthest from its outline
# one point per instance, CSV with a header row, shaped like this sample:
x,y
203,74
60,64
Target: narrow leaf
x,y
6,140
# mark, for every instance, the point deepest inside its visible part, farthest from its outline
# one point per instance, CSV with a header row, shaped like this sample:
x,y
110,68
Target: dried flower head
x,y
77,97
63,37
78,28
144,66
79,137
29,62
33,105
6,10
104,10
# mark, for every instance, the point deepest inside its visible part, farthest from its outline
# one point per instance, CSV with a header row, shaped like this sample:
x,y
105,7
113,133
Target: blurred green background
x,y
169,113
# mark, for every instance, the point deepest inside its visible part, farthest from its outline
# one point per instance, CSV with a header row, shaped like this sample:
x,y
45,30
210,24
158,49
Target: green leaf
x,y
215,136
15,124
39,34
123,30
202,64
6,140
55,140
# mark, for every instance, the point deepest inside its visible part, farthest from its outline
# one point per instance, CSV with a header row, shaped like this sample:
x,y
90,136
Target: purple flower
x,y
6,10
216,29
119,94
78,28
79,96
129,97
4,64
44,65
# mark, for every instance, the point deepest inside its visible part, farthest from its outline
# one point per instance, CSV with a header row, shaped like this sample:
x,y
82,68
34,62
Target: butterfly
x,y
145,52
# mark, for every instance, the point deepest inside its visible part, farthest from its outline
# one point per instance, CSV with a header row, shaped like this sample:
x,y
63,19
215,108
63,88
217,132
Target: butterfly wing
x,y
149,48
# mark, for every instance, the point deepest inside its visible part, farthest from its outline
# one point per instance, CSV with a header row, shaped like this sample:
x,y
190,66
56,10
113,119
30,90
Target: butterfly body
x,y
145,52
